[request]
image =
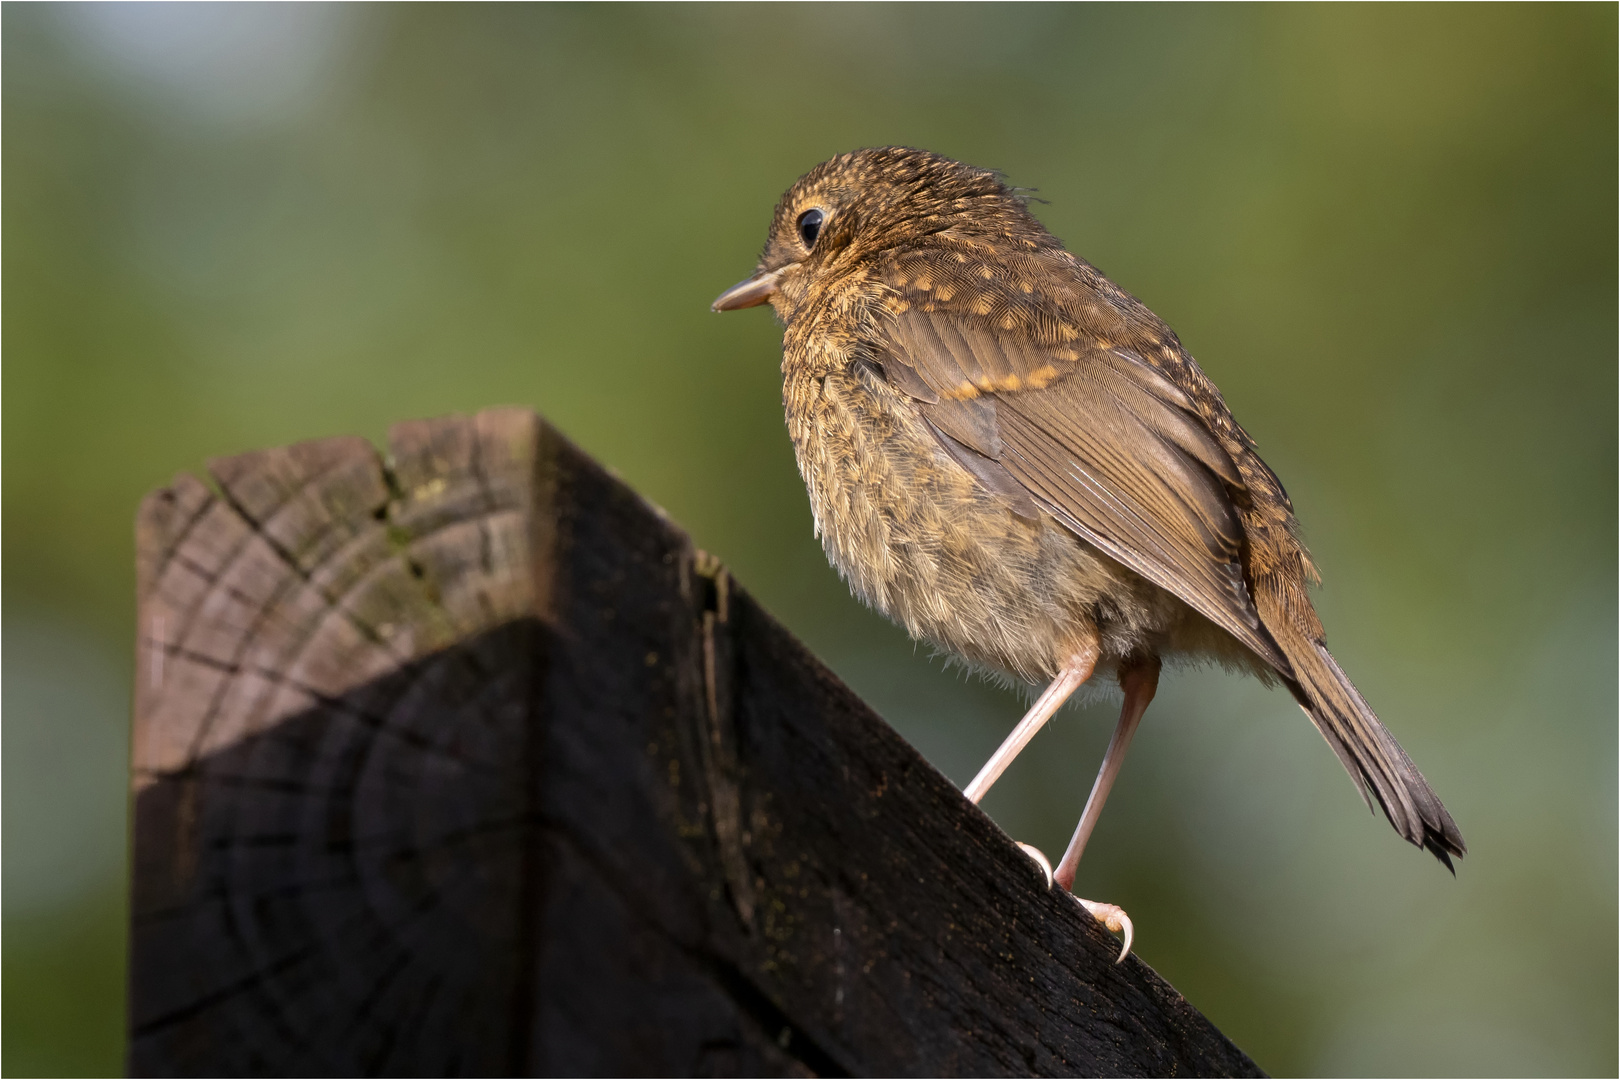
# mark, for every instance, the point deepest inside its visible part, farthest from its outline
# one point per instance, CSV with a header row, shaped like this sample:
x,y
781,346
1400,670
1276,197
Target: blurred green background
x,y
1387,233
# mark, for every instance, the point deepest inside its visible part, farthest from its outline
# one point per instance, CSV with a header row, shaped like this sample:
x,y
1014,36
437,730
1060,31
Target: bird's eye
x,y
810,227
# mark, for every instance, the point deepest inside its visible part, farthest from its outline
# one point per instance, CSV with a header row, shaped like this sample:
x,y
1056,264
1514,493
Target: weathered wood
x,y
469,763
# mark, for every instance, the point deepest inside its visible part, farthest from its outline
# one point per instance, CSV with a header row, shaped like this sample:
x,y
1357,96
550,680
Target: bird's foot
x,y
1112,916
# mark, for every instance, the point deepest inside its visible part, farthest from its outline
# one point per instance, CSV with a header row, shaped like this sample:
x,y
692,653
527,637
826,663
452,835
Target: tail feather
x,y
1370,753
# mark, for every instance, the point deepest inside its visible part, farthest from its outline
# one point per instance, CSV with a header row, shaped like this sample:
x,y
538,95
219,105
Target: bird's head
x,y
855,206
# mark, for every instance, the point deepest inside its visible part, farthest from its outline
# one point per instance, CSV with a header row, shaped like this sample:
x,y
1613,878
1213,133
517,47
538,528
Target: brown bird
x,y
1016,460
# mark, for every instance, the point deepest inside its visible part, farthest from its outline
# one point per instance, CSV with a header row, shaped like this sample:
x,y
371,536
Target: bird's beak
x,y
750,293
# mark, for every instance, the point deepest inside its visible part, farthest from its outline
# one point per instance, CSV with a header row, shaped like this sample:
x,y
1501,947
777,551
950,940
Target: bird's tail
x,y
1369,752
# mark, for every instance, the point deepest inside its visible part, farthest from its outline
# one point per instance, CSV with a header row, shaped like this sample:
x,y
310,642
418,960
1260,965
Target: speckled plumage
x,y
920,539
1012,457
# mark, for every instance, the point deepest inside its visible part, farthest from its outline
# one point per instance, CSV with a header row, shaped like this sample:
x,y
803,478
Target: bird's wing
x,y
1087,431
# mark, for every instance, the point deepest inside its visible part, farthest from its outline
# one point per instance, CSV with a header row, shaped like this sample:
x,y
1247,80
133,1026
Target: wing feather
x,y
1096,437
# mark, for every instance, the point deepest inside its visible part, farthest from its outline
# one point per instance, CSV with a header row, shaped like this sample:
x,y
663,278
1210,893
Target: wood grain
x,y
466,762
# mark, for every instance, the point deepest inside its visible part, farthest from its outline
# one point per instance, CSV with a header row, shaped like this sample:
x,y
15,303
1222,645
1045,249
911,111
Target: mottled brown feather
x,y
1092,441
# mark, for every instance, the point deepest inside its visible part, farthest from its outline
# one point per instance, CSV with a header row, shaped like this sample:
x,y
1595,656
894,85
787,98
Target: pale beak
x,y
751,293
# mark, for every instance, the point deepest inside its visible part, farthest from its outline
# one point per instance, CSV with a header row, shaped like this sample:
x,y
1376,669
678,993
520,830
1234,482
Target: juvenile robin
x,y
1017,461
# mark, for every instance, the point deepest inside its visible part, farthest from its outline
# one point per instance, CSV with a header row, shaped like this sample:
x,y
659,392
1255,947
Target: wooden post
x,y
465,762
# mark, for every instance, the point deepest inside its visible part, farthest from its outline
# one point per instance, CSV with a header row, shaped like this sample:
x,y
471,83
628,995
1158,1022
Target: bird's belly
x,y
918,538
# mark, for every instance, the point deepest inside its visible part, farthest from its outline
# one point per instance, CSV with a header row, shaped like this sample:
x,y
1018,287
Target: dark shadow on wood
x,y
470,764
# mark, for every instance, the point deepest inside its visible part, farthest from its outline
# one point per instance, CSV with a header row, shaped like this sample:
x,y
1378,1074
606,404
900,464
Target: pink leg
x,y
1139,682
1075,672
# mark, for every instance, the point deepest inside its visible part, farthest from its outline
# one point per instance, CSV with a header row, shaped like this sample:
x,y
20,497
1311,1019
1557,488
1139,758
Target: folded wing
x,y
1093,435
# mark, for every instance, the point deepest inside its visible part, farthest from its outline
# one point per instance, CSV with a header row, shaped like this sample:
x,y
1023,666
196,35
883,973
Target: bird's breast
x,y
881,495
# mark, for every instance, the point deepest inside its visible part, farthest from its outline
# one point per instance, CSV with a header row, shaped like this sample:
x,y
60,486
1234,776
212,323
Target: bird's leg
x,y
1076,671
1139,680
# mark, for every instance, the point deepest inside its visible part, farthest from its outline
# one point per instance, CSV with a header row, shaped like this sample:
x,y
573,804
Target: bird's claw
x,y
1112,916
1040,860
